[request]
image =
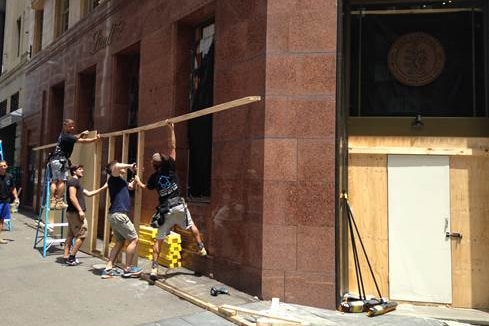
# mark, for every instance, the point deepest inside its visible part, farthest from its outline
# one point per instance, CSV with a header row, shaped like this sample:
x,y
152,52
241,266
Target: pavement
x,y
41,290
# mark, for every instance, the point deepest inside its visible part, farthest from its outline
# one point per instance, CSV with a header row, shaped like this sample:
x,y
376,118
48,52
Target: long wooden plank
x,y
452,146
96,200
89,181
469,190
110,157
367,187
180,118
419,151
188,116
139,192
200,303
258,313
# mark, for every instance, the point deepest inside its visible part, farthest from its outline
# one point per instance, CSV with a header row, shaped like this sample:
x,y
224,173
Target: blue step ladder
x,y
7,222
45,232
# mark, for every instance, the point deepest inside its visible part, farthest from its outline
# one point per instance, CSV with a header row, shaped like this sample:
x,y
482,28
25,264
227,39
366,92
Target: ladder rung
x,y
53,241
50,225
57,224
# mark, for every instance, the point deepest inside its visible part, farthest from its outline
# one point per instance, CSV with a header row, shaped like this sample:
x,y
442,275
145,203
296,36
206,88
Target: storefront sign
x,y
102,40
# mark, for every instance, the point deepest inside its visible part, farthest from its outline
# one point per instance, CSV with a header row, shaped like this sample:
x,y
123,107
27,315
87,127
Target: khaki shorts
x,y
122,227
178,215
77,228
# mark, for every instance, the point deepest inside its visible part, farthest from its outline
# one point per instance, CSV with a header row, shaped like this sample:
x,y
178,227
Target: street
x,y
45,291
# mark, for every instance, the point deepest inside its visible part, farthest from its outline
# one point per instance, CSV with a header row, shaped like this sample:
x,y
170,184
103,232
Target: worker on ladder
x,y
7,188
59,161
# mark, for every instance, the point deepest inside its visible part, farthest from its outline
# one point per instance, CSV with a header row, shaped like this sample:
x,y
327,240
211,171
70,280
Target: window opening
x,y
201,97
405,64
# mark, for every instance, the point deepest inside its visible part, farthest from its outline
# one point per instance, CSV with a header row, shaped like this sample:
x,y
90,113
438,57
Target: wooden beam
x,y
199,302
228,309
96,200
188,116
125,149
412,11
180,118
139,191
419,151
110,157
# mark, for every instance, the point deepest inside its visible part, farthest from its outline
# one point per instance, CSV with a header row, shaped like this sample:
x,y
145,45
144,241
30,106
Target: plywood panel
x,y
86,155
469,210
419,145
367,184
470,216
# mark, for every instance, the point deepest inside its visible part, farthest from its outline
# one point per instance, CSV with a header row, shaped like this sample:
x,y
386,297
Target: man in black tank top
x,y
171,205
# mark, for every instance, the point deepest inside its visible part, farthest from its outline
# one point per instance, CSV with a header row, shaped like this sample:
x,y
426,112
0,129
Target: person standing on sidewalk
x,y
122,227
75,214
172,209
59,161
7,188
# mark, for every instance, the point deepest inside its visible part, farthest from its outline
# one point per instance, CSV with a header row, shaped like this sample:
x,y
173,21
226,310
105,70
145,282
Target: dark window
x,y
406,61
38,26
200,129
3,108
89,6
63,13
92,4
19,34
14,102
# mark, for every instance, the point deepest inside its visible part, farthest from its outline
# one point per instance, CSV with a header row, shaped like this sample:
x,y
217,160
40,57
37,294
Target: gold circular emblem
x,y
416,59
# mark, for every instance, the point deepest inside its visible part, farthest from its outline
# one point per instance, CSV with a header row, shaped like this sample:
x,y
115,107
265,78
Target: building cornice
x,y
15,71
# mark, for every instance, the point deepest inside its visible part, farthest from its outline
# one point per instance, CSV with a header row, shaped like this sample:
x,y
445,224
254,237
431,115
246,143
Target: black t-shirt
x,y
165,181
65,145
74,182
6,186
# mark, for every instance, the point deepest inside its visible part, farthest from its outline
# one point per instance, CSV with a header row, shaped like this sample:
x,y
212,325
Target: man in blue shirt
x,y
122,227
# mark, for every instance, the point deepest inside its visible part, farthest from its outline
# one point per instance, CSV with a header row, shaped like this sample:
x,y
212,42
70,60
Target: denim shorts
x,y
59,170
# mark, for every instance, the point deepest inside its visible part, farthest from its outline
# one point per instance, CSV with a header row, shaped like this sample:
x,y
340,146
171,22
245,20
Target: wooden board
x,y
180,118
419,145
110,157
469,177
87,155
469,210
367,184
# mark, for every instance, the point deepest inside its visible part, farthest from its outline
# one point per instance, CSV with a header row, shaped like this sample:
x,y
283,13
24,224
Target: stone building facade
x,y
266,204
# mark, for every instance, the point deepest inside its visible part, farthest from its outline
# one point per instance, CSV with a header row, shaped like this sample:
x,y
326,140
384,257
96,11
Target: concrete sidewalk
x,y
55,294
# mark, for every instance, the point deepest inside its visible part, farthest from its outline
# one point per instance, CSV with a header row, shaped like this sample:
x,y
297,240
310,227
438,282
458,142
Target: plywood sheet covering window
x,y
469,179
469,209
367,184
